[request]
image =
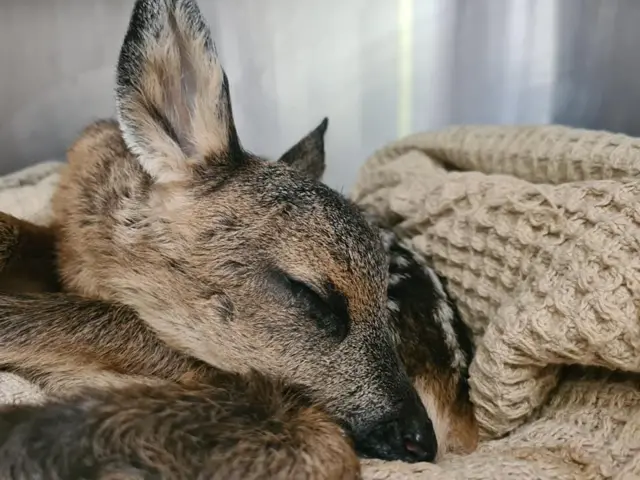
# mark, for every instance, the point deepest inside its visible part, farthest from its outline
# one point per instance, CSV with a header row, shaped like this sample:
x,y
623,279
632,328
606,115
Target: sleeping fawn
x,y
197,311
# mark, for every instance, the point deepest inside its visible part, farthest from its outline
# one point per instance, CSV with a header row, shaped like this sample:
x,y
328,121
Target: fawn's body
x,y
231,316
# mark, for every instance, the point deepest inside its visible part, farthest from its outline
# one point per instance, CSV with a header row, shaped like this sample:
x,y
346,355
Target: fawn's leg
x,y
245,427
63,342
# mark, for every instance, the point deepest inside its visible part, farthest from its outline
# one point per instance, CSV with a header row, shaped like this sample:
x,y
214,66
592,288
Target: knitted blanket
x,y
536,230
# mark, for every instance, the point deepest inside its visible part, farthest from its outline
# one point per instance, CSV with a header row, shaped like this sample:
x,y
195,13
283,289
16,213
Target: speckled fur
x,y
243,427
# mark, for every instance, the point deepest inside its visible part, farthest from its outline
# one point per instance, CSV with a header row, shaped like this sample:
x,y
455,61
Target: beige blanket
x,y
539,241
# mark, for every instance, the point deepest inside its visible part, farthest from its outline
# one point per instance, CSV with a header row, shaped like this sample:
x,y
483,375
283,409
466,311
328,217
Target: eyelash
x,y
301,286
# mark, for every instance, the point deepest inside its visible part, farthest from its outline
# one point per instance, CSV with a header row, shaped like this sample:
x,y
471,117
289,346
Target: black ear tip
x,y
322,128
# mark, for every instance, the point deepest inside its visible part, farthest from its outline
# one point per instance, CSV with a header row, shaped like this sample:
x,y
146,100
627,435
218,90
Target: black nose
x,y
408,436
416,433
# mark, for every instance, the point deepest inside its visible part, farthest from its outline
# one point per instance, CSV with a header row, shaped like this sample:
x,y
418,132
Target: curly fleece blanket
x,y
537,230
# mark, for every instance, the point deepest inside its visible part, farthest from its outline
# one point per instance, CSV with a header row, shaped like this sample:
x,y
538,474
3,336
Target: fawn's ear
x,y
172,94
307,156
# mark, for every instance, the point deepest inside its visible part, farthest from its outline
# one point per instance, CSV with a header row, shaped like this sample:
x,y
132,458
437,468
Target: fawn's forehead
x,y
327,216
352,259
327,235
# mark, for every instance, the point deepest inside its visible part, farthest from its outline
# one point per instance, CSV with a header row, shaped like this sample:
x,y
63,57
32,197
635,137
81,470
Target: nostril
x,y
411,446
419,440
415,445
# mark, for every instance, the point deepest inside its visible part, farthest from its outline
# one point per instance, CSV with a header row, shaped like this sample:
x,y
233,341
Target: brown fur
x,y
65,342
182,255
118,342
247,428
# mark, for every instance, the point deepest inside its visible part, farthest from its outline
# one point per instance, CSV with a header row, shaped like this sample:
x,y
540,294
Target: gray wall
x,y
378,68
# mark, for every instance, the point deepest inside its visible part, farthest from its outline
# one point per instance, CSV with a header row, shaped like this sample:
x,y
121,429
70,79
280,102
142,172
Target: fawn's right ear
x,y
307,156
172,94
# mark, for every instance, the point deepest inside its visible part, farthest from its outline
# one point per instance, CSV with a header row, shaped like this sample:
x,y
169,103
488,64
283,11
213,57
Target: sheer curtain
x,y
382,69
379,69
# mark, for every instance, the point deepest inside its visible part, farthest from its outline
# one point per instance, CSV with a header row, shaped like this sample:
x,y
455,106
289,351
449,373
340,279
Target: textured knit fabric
x,y
538,231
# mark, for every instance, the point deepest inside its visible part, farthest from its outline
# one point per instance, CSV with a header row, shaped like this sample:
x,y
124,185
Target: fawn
x,y
220,314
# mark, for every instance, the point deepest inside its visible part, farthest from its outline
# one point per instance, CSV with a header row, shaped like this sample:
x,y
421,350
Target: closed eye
x,y
328,309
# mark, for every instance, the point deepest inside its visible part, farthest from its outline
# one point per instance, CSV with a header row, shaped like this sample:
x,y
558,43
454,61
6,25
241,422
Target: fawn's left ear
x,y
307,156
172,94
